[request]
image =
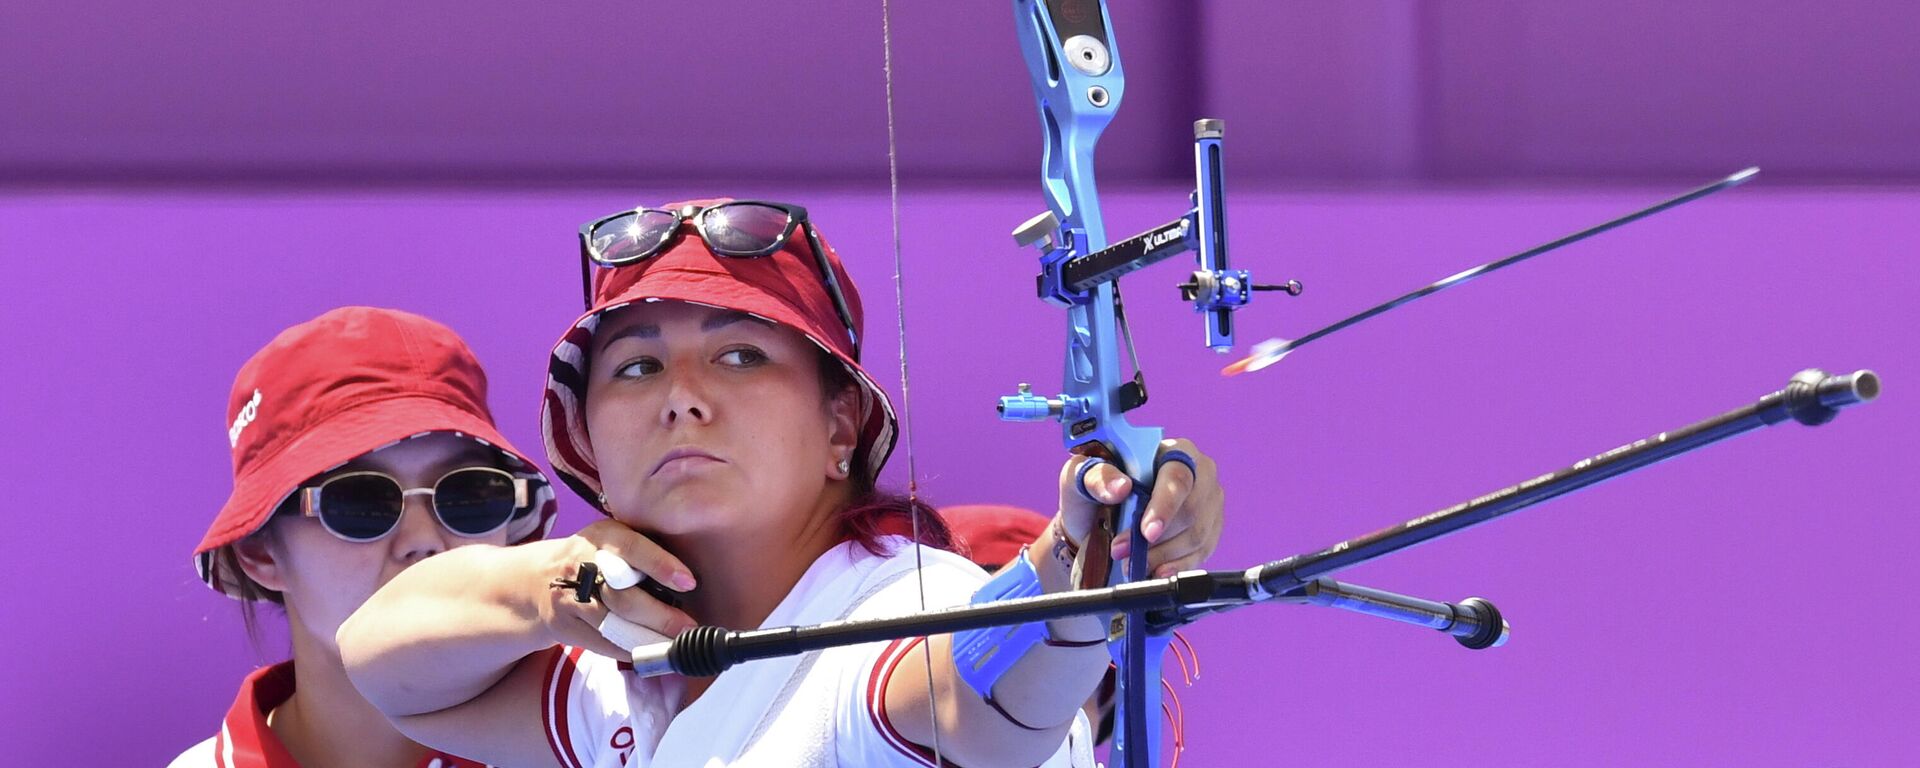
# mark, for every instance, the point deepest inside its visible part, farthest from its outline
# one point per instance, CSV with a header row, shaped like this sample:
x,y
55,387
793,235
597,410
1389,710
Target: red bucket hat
x,y
331,389
994,533
783,288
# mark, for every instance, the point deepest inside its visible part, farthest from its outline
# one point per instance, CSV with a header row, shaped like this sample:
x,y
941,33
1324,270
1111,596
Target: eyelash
x,y
757,357
621,372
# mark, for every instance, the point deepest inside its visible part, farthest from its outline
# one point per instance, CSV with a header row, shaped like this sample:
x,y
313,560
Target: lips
x,y
684,453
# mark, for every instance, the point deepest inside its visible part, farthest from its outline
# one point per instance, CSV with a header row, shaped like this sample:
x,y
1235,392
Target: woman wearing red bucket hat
x,y
711,402
362,443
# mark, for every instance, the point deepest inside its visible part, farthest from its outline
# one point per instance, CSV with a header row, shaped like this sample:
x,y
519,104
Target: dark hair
x,y
880,513
226,567
875,513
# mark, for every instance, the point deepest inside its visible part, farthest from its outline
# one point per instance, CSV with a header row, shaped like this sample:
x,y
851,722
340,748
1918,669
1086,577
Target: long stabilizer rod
x,y
1811,398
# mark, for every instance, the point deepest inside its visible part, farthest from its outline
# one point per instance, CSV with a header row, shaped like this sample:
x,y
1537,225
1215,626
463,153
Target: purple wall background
x,y
186,181
1747,605
1377,90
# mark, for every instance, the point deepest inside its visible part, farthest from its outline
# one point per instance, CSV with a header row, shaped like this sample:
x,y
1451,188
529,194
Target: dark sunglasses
x,y
743,229
366,506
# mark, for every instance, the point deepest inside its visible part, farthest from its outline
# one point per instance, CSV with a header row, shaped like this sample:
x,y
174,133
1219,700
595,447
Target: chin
x,y
687,511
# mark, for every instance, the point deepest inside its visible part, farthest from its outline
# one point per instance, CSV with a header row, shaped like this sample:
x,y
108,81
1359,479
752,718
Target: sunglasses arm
x,y
834,290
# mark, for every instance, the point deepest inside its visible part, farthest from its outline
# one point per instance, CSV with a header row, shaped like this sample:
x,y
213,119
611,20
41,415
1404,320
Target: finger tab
x,y
617,572
627,634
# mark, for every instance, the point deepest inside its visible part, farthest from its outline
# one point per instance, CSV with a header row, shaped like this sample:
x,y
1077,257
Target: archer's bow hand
x,y
1183,517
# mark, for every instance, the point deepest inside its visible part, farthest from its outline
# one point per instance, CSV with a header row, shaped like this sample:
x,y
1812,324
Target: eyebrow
x,y
729,317
470,455
652,330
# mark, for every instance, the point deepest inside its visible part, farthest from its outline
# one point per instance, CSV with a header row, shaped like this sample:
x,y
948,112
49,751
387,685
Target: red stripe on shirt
x,y
554,714
877,679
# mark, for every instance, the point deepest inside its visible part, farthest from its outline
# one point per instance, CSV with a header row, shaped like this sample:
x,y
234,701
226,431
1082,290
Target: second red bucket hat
x,y
328,390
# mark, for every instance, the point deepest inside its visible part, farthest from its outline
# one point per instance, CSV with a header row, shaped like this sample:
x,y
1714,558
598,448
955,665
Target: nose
x,y
686,400
420,534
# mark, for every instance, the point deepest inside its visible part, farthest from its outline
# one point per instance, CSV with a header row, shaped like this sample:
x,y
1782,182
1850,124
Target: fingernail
x,y
683,581
1119,550
1152,530
1117,485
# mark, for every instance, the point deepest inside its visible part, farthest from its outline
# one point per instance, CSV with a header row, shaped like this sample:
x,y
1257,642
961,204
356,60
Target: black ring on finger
x,y
1080,480
1179,456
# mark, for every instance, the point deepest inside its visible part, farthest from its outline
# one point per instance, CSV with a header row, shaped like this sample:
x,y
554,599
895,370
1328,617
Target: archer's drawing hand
x,y
576,623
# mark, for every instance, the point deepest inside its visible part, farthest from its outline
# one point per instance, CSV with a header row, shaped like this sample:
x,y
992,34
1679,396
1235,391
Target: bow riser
x,y
1078,83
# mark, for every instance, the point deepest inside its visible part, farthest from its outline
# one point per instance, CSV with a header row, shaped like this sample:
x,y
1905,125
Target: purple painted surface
x,y
1579,89
1375,90
1324,91
1745,605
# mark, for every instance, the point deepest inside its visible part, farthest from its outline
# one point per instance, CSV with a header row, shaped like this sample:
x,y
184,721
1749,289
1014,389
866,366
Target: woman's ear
x,y
257,560
843,430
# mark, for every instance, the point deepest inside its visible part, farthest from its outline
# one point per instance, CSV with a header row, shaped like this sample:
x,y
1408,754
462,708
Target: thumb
x,y
1086,484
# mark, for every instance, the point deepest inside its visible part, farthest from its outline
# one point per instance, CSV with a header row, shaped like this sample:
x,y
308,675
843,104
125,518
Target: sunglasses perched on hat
x,y
741,229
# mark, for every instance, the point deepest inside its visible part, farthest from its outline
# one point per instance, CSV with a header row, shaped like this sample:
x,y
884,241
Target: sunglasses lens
x,y
631,237
475,502
360,507
744,229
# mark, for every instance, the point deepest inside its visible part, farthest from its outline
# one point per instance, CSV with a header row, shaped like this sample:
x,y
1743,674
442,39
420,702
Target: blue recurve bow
x,y
1078,84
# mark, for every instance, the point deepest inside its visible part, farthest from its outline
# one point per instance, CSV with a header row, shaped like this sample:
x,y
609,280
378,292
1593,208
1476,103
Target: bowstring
x,y
906,399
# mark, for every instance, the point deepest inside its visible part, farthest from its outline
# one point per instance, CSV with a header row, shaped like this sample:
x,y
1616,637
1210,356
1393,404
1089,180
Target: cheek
x,y
326,578
792,434
616,428
788,411
496,539
312,555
